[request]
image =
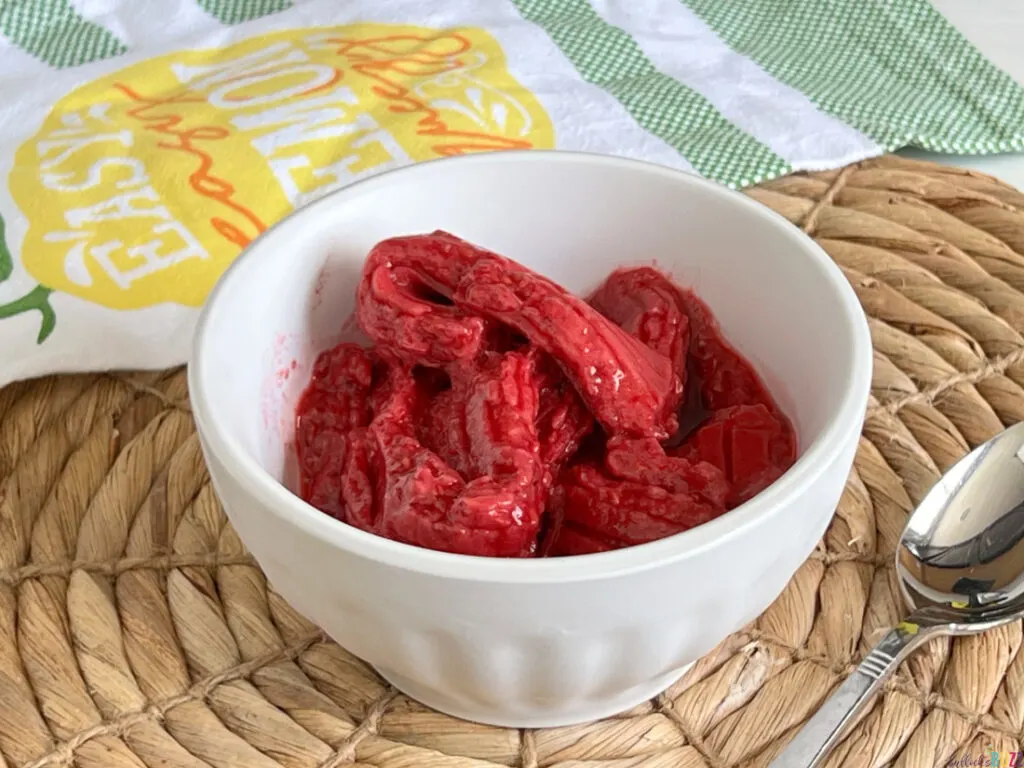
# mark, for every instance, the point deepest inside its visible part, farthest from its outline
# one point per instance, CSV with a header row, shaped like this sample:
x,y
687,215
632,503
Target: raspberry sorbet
x,y
496,414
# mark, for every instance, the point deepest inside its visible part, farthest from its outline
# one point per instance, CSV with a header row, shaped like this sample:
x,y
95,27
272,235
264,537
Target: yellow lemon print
x,y
141,187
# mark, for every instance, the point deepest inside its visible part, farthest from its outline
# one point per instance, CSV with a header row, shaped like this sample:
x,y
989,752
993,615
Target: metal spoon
x,y
960,563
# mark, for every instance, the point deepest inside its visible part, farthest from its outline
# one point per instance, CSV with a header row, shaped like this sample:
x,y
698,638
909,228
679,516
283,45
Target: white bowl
x,y
532,643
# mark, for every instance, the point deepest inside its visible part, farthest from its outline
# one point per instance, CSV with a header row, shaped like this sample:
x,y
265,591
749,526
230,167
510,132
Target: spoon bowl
x,y
964,545
960,563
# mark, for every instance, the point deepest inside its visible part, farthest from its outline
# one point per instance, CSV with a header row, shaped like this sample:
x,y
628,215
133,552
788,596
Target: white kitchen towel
x,y
145,144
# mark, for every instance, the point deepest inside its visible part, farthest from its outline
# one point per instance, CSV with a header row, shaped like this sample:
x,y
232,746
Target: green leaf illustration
x,y
37,299
6,262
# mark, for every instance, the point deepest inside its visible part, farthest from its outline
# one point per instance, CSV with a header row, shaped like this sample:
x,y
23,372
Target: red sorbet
x,y
499,415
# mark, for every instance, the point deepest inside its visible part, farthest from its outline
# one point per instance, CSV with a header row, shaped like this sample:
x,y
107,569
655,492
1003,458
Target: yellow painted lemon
x,y
141,187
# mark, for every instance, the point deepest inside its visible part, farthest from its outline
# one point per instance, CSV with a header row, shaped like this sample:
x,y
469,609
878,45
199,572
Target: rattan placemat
x,y
135,631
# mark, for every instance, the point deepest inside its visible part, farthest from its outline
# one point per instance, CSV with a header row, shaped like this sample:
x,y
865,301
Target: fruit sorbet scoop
x,y
498,415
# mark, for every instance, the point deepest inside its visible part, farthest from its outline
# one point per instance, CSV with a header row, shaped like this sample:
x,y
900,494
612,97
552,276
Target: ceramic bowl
x,y
544,642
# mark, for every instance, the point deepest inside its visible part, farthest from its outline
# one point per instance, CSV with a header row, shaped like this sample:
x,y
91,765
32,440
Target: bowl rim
x,y
277,500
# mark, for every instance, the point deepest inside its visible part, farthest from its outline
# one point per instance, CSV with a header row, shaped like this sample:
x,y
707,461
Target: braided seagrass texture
x,y
136,631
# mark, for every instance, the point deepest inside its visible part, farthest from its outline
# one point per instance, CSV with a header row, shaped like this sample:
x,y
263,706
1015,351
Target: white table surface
x,y
996,27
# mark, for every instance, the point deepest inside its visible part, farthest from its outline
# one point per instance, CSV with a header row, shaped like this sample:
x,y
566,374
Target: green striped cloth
x,y
144,144
893,70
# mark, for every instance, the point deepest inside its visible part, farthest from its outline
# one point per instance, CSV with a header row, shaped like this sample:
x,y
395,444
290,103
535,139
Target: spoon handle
x,y
814,741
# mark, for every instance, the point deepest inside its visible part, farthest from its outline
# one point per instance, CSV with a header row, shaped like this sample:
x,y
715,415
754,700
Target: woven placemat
x,y
136,631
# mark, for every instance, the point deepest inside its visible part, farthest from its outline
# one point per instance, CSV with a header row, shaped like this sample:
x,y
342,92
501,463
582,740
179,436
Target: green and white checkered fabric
x,y
610,58
55,33
895,70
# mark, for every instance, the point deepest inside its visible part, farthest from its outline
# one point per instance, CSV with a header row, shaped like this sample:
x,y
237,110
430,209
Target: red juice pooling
x,y
496,414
